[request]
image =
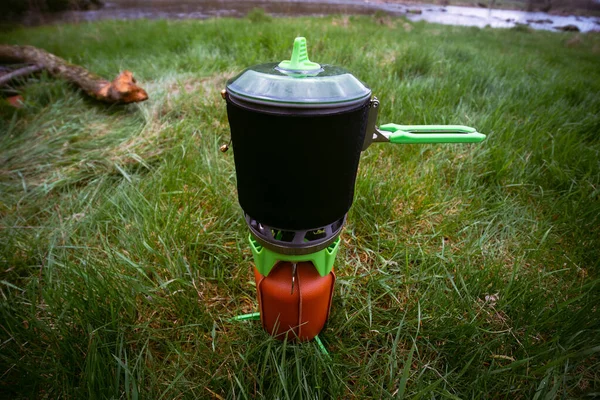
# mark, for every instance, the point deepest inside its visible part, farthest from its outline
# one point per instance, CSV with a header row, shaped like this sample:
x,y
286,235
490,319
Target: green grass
x,y
466,271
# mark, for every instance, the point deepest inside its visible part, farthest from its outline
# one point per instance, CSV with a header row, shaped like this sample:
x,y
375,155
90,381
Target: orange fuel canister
x,y
299,312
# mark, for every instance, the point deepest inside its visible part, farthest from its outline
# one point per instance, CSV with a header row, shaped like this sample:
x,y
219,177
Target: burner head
x,y
295,242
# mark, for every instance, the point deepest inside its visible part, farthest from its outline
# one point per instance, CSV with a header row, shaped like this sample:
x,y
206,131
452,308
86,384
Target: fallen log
x,y
123,89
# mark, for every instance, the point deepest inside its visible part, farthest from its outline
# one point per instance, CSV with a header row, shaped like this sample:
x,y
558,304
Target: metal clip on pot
x,y
416,134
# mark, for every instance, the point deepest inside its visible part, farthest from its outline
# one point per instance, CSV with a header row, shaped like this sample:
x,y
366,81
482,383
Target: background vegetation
x,y
467,271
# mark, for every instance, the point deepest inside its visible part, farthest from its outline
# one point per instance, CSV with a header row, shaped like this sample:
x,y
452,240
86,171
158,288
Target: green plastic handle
x,y
421,134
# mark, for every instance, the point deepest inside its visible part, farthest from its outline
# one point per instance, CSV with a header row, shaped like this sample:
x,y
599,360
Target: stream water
x,y
196,9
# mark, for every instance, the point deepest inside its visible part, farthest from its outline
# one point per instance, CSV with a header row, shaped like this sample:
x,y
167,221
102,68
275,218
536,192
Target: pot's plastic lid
x,y
298,82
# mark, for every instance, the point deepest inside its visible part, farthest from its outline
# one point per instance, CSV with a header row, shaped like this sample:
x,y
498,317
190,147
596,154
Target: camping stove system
x,y
298,129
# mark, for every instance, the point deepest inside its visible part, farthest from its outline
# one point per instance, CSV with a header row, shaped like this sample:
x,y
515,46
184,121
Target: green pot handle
x,y
421,134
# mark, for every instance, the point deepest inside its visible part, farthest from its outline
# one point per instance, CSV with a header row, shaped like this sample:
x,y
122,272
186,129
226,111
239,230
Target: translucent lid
x,y
298,83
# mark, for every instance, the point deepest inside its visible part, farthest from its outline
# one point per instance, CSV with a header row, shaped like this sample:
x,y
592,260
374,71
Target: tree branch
x,y
123,89
4,79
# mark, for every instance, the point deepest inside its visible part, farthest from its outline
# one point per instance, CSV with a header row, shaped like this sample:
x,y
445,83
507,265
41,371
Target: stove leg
x,y
255,316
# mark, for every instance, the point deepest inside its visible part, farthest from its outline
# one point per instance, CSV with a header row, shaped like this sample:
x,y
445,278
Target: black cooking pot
x,y
298,129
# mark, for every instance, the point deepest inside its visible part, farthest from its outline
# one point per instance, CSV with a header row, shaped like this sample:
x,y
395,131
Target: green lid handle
x,y
299,61
421,134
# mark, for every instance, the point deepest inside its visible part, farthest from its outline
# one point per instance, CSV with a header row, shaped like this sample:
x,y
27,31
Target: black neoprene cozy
x,y
296,168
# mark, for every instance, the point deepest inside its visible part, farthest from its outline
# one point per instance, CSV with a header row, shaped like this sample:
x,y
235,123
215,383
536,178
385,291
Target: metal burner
x,y
295,242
